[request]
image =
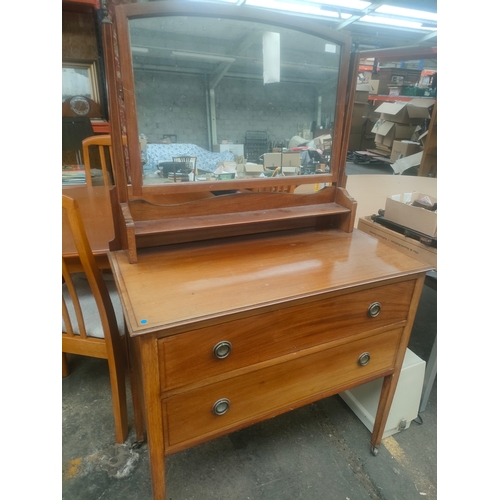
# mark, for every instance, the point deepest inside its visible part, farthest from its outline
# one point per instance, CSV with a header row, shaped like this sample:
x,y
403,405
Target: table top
x,y
173,287
95,209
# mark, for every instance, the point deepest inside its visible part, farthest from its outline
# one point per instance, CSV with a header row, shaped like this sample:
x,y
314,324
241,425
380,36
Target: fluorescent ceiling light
x,y
399,11
307,9
204,57
142,50
348,4
390,21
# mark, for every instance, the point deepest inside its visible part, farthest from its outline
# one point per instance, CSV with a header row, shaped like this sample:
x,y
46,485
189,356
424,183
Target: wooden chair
x,y
103,144
188,165
90,325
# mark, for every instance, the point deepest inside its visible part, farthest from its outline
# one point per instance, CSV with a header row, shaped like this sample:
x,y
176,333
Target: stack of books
x,y
73,174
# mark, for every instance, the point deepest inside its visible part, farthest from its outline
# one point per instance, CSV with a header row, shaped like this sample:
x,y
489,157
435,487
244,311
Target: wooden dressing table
x,y
226,334
245,305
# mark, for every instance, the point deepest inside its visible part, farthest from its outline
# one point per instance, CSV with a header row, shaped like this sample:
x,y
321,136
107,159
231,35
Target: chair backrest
x,y
189,161
103,144
97,285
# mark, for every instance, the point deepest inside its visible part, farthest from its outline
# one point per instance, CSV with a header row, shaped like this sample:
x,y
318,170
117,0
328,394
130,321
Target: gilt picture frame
x,y
80,78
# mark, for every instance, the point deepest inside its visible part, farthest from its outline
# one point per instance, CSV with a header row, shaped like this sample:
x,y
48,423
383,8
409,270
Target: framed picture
x,y
80,79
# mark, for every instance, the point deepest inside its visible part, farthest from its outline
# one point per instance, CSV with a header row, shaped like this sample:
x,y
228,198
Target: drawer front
x,y
186,357
190,415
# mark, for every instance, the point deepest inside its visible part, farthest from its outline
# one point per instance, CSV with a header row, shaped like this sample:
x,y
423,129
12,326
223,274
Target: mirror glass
x,y
231,99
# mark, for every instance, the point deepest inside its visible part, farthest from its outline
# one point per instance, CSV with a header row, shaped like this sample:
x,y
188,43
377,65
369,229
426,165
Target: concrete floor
x,y
318,452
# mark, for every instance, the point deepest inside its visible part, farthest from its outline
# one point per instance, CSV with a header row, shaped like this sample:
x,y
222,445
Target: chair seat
x,y
93,325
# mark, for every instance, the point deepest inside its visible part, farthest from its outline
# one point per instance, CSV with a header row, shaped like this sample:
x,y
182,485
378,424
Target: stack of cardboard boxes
x,y
399,126
289,162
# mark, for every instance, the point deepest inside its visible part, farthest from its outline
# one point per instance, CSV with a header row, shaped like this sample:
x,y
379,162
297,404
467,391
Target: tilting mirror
x,y
227,93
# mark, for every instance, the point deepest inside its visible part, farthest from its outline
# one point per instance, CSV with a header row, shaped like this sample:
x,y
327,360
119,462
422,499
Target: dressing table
x,y
244,305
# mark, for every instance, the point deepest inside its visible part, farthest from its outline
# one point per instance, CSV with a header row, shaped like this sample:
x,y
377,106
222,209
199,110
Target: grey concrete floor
x,y
317,452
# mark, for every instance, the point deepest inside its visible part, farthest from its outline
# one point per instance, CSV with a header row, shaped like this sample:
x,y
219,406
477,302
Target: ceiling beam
x,y
431,35
393,54
357,17
223,68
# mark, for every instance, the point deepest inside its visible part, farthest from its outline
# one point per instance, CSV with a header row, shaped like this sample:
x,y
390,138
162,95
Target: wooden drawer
x,y
188,357
257,393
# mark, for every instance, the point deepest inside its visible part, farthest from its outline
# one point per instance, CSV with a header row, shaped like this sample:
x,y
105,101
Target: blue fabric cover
x,y
205,160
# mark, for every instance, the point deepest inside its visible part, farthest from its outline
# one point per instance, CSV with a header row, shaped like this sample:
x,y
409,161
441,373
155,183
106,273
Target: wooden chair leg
x,y
65,366
119,398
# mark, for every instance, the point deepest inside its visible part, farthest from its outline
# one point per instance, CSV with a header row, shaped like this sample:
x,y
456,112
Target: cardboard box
x,y
413,111
226,166
272,160
399,166
363,400
400,149
253,170
374,84
323,141
398,209
290,170
387,131
363,87
290,159
409,246
362,91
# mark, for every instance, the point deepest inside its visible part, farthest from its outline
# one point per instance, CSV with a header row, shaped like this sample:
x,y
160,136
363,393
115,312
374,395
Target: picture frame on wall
x,y
80,79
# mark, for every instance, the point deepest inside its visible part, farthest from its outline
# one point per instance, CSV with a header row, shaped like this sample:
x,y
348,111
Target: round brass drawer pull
x,y
374,309
221,406
222,349
364,359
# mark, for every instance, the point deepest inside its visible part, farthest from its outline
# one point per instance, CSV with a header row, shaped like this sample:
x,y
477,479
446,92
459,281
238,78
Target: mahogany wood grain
x,y
390,383
287,281
138,403
153,415
303,292
151,224
114,101
227,205
279,385
193,283
346,315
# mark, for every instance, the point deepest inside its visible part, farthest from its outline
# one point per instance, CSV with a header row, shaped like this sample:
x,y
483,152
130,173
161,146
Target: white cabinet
x,y
236,149
363,399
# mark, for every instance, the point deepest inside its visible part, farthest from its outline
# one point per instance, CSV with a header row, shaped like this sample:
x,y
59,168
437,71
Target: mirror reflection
x,y
227,99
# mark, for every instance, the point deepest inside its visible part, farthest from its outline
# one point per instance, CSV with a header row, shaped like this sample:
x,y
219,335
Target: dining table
x,y
95,209
94,203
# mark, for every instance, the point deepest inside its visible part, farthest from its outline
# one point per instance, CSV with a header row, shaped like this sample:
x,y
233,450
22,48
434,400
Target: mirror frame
x,y
125,12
